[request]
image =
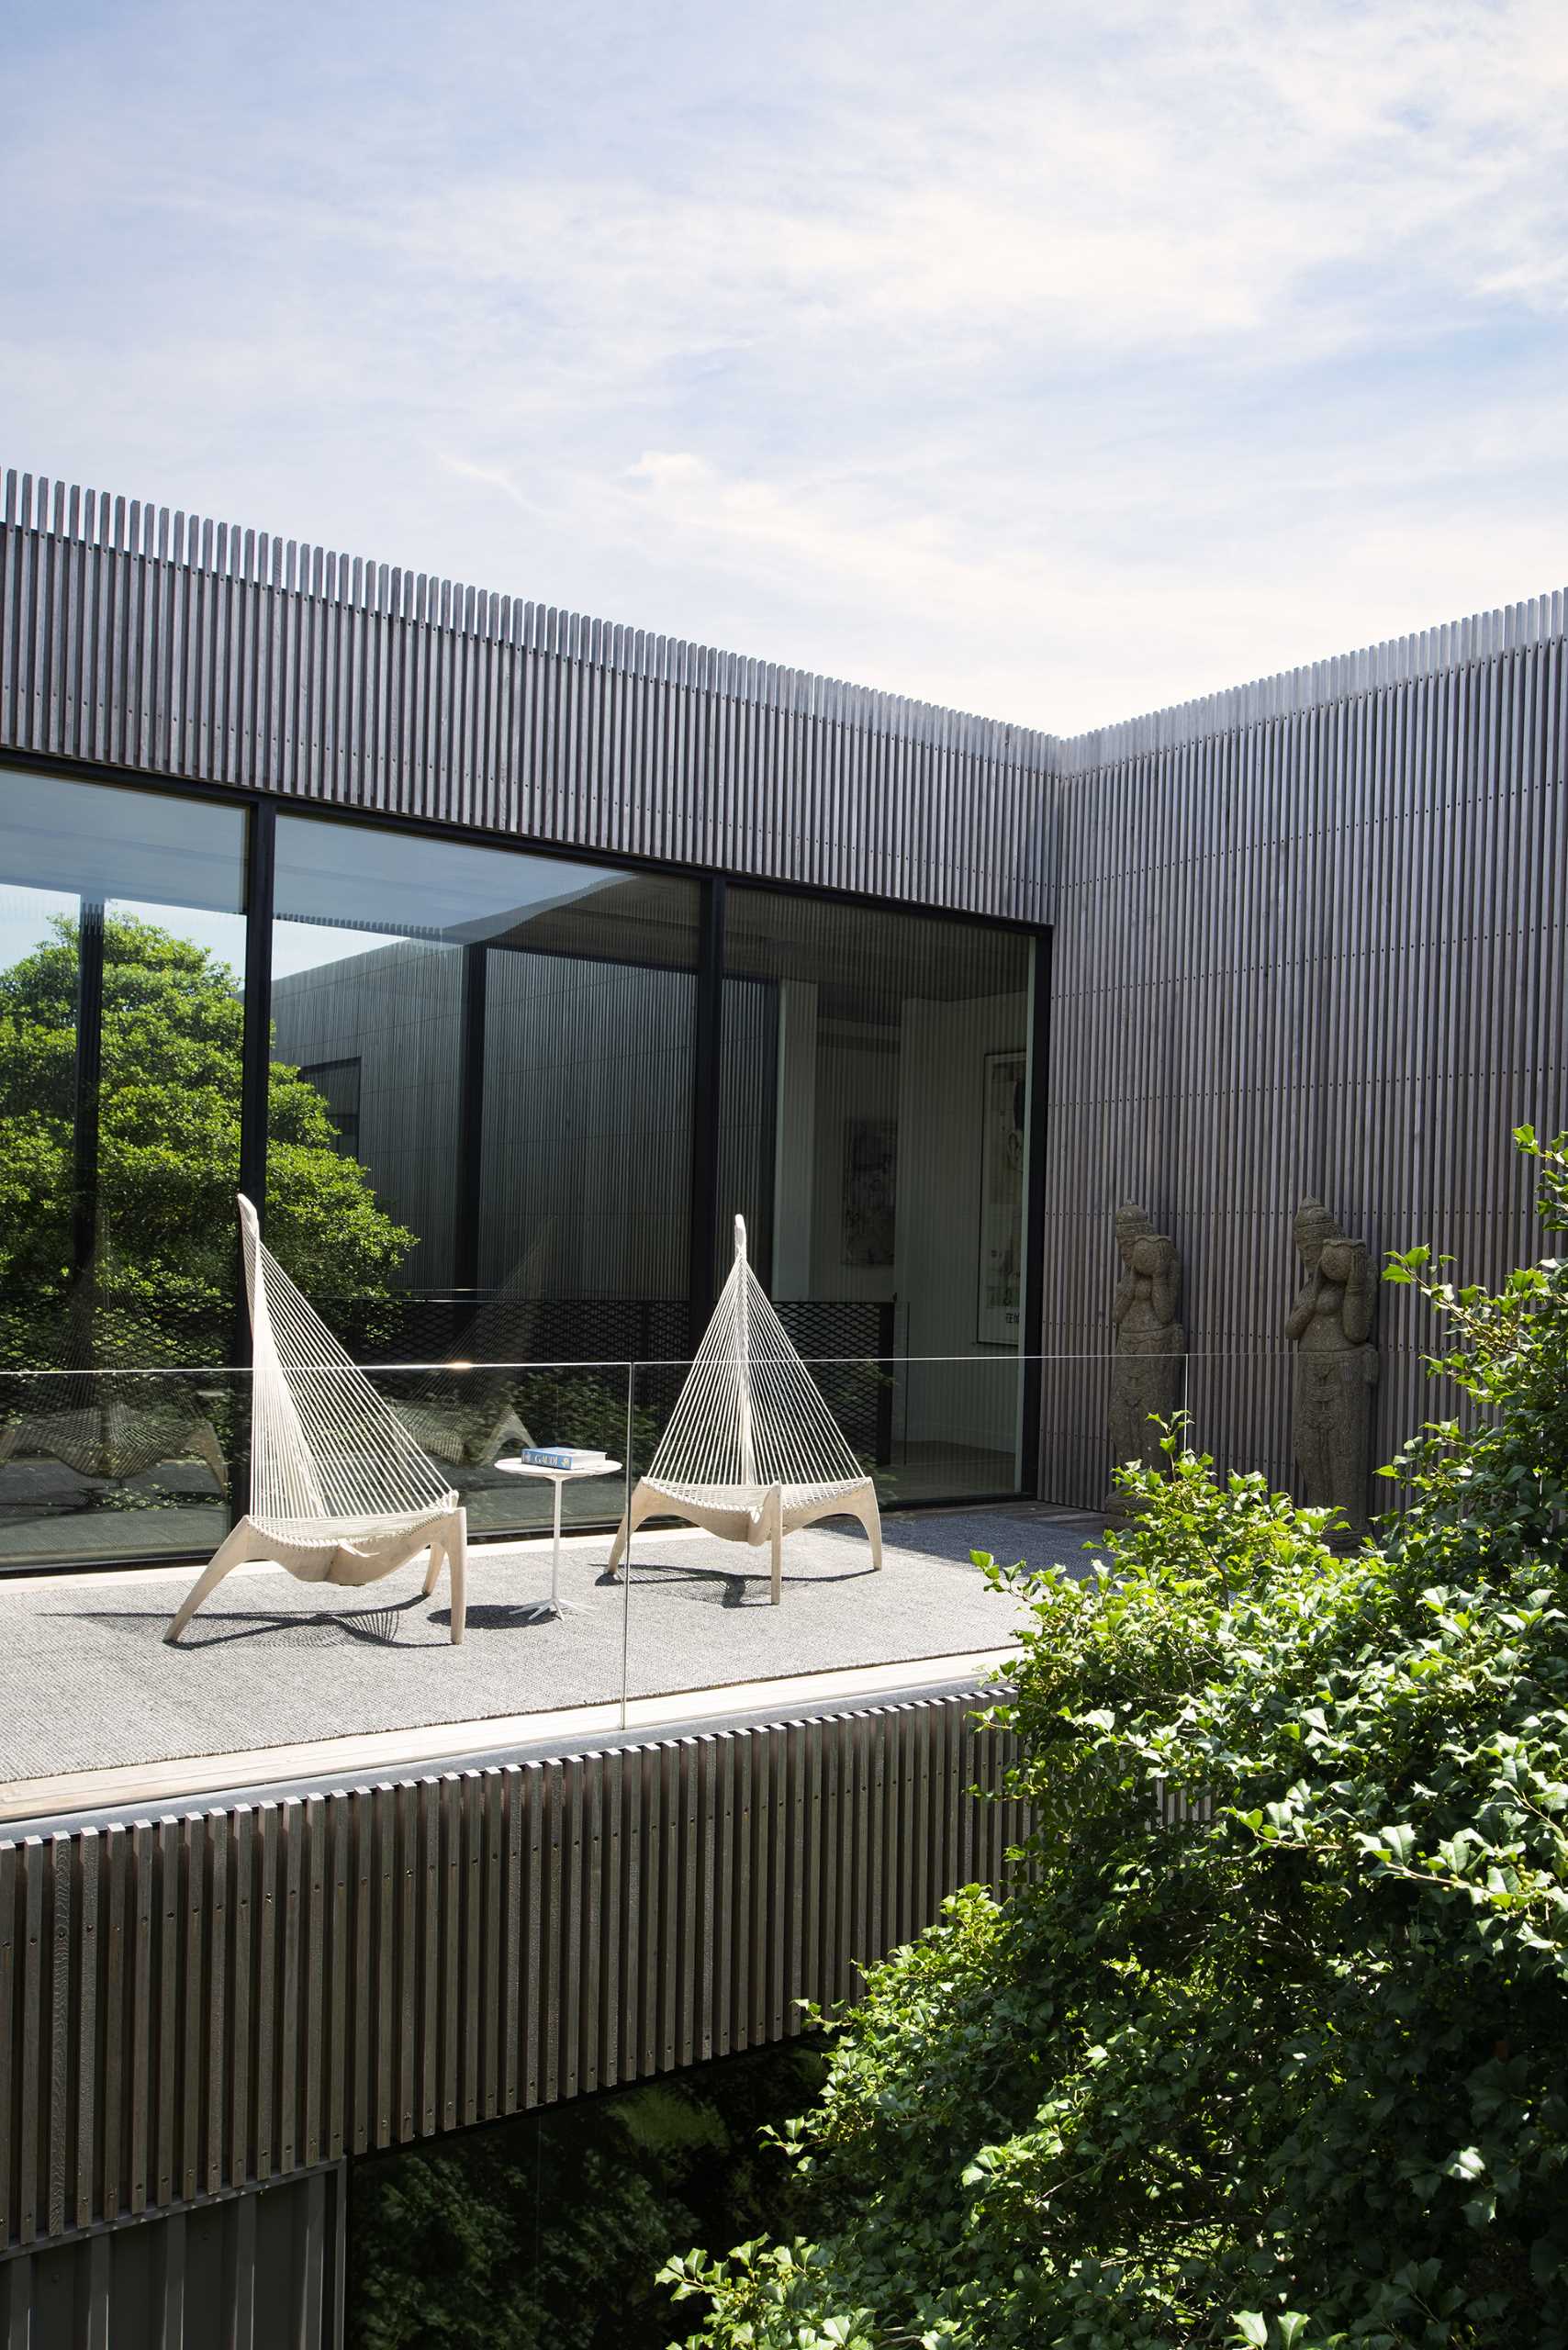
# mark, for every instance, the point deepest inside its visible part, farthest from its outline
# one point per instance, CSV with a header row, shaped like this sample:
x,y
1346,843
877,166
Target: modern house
x,y
502,957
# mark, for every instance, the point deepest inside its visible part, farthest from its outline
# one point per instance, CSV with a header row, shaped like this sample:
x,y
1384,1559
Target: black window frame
x,y
263,808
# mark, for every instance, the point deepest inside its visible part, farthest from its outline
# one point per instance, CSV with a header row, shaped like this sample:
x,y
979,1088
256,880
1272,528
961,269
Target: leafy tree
x,y
168,1159
543,2232
1269,2043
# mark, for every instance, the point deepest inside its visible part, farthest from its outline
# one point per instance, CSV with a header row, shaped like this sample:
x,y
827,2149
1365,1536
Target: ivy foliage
x,y
1269,2044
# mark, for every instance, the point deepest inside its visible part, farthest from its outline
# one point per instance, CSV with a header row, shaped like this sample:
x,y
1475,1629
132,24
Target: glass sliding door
x,y
482,1065
121,1021
586,1186
481,1163
874,1125
363,1121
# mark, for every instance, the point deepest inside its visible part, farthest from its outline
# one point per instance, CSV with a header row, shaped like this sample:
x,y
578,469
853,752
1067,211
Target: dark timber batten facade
x,y
1311,939
139,639
198,2002
1308,936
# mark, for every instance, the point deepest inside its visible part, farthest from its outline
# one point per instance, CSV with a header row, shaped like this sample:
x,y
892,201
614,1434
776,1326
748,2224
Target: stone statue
x,y
1335,1366
1150,1343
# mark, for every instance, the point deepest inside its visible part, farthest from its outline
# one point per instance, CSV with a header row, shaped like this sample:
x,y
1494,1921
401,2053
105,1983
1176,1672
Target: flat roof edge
x,y
1440,651
111,524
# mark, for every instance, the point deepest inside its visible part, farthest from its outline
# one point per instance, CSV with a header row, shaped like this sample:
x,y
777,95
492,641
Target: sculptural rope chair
x,y
751,1452
340,1491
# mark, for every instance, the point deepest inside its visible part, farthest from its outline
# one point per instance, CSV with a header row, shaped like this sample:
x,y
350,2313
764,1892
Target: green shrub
x,y
1284,2061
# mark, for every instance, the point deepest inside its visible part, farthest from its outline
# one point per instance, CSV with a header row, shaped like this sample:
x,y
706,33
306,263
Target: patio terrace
x,y
277,1681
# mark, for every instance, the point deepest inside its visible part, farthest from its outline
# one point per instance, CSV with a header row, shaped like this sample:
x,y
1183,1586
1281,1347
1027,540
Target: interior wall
x,y
942,1067
857,1077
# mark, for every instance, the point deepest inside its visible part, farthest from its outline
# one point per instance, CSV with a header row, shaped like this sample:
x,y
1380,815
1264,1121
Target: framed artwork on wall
x,y
1001,1252
870,1185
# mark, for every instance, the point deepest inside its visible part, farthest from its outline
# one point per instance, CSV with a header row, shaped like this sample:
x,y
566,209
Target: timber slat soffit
x,y
202,2002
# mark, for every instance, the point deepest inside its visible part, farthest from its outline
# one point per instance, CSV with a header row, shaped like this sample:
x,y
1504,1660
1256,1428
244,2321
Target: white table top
x,y
538,1469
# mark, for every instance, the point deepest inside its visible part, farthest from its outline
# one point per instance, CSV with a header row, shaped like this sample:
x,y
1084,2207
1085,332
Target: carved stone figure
x,y
1146,1377
1335,1369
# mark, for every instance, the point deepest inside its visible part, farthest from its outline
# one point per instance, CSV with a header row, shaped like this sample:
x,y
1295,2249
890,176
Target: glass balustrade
x,y
145,1471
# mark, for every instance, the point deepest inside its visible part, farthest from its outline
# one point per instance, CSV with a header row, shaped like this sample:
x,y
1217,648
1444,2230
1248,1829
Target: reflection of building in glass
x,y
559,1048
338,1084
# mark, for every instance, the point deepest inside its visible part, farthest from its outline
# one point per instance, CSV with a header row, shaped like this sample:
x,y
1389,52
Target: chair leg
x,y
777,1544
231,1552
438,1553
456,1543
871,1518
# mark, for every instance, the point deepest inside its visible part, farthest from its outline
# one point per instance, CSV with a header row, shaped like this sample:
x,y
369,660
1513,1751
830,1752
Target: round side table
x,y
558,1477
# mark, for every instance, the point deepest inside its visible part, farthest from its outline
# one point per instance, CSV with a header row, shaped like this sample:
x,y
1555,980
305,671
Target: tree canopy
x,y
543,2232
1269,2044
168,1157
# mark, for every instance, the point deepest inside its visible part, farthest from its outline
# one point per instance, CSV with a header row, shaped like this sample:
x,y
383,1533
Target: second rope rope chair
x,y
752,1451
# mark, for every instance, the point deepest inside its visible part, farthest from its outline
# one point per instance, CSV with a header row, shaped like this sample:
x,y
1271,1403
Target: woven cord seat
x,y
751,1452
340,1490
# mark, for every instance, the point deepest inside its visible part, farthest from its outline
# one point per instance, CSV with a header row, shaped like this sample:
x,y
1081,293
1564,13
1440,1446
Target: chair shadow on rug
x,y
740,1590
379,1626
502,1615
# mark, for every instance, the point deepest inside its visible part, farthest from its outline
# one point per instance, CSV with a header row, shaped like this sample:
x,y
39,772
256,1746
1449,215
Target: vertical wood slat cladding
x,y
262,2271
212,2002
1309,933
140,639
1310,941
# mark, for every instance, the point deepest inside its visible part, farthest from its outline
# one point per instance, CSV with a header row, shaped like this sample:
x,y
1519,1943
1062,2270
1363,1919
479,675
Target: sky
x,y
1059,362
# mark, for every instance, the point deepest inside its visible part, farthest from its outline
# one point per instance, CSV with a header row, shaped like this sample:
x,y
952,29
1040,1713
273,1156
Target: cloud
x,y
1052,362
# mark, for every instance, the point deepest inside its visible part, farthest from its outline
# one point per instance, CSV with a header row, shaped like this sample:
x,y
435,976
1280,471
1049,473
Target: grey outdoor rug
x,y
86,1681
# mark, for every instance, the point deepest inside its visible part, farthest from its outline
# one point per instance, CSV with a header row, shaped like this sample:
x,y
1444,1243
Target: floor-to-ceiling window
x,y
122,950
511,1103
479,1156
874,1130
